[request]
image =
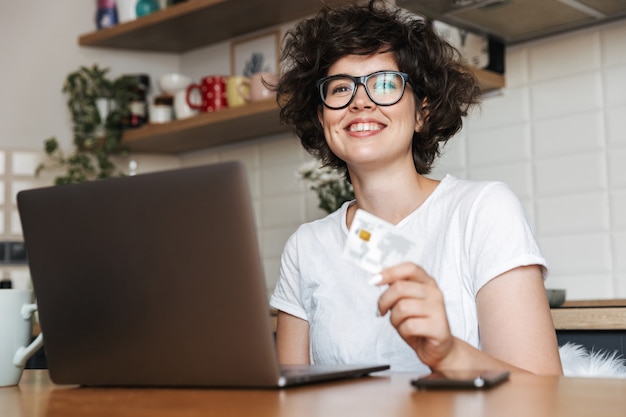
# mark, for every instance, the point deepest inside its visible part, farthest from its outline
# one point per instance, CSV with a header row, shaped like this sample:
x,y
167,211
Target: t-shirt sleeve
x,y
500,235
287,294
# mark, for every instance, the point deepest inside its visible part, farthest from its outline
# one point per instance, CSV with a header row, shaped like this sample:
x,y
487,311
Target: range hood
x,y
515,21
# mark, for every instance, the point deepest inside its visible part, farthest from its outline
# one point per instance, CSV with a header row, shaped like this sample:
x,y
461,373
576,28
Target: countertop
x,y
590,315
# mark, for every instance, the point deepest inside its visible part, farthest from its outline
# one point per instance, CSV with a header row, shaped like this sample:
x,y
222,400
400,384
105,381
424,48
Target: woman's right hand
x,y
417,311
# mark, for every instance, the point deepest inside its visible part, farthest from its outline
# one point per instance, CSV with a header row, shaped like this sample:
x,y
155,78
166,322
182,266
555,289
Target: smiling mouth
x,y
364,127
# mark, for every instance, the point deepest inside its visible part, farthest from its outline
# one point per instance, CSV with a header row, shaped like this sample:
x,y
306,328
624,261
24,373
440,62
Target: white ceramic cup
x,y
126,10
160,113
182,110
16,312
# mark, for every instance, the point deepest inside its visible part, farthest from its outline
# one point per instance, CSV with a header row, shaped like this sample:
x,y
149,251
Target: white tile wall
x,y
281,201
616,126
619,248
617,167
17,168
499,146
567,95
570,174
574,181
570,134
618,209
511,107
577,254
615,85
613,40
453,158
569,50
572,214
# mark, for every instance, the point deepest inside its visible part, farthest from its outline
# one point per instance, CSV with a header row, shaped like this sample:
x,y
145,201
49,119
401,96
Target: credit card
x,y
374,244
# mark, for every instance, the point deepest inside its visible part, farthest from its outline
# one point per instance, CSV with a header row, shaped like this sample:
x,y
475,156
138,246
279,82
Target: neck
x,y
391,194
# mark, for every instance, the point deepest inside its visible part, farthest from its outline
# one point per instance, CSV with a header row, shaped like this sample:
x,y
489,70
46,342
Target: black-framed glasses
x,y
385,88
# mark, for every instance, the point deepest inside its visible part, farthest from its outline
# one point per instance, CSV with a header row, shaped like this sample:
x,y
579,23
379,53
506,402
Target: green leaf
x,y
95,140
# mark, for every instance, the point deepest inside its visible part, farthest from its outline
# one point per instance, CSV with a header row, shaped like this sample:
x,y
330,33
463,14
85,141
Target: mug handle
x,y
190,89
244,92
23,353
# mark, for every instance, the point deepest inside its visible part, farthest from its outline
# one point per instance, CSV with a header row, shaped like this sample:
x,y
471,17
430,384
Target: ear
x,y
420,115
418,122
320,115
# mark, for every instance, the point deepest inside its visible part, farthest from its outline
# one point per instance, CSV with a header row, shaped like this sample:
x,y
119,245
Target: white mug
x,y
16,312
182,110
126,10
160,113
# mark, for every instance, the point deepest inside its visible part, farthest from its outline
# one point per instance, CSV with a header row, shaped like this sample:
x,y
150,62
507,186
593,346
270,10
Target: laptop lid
x,y
153,280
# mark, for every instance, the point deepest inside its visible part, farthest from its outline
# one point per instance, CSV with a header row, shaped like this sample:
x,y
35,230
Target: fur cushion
x,y
579,362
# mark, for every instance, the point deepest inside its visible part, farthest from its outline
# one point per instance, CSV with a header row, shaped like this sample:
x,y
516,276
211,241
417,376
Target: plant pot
x,y
103,105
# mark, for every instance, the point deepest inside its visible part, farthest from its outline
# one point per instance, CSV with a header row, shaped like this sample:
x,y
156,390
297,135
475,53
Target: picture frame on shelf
x,y
258,53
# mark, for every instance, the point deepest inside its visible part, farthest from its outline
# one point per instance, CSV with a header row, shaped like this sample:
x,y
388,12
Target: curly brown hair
x,y
314,44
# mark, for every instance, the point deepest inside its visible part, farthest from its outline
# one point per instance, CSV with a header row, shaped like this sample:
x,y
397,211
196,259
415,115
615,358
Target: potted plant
x,y
331,186
97,106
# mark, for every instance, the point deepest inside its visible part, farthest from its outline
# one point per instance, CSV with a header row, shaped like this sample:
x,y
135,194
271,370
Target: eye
x,y
385,84
340,87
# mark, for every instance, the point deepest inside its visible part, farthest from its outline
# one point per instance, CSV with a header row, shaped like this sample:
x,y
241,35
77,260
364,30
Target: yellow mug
x,y
237,89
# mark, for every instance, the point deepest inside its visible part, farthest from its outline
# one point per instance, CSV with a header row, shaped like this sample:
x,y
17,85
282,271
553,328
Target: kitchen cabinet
x,y
590,315
196,23
515,21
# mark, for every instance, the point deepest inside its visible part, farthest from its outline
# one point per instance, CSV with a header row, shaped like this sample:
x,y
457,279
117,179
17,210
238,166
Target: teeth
x,y
364,127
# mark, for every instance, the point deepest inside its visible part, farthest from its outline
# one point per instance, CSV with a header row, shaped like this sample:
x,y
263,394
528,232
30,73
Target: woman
x,y
373,91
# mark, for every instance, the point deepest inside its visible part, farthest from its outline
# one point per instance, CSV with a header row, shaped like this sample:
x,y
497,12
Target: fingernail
x,y
376,279
378,313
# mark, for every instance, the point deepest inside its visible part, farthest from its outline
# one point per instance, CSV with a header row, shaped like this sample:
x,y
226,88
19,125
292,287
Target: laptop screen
x,y
154,279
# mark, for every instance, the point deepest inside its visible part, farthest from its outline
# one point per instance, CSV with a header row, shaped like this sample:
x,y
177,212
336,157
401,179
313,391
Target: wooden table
x,y
380,395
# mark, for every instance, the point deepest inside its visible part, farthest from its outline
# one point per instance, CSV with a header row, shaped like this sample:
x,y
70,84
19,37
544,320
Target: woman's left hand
x,y
417,312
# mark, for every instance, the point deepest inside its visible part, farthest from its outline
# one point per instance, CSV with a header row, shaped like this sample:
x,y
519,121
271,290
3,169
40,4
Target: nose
x,y
361,99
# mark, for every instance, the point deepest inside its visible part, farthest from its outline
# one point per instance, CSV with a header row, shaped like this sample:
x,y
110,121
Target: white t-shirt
x,y
468,233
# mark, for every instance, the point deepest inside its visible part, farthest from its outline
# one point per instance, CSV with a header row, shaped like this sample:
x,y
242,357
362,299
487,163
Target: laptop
x,y
156,280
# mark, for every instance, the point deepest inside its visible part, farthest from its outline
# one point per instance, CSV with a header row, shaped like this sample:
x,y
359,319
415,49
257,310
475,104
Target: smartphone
x,y
461,380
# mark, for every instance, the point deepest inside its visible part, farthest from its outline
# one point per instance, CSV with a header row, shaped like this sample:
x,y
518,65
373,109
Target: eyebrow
x,y
364,75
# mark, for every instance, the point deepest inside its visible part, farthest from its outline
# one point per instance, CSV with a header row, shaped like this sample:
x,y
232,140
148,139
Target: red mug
x,y
212,91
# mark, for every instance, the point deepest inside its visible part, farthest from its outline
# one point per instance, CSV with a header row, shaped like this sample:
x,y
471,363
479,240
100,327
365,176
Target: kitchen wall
x,y
556,134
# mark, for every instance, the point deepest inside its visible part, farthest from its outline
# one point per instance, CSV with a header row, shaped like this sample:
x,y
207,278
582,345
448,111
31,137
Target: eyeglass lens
x,y
384,88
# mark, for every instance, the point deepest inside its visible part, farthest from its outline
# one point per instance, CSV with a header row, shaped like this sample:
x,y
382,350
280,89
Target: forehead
x,y
357,65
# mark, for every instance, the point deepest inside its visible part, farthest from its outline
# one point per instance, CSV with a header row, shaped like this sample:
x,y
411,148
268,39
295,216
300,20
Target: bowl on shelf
x,y
171,83
555,297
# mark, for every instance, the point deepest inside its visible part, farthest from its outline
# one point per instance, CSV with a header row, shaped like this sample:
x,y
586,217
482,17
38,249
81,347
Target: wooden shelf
x,y
196,23
489,80
207,129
